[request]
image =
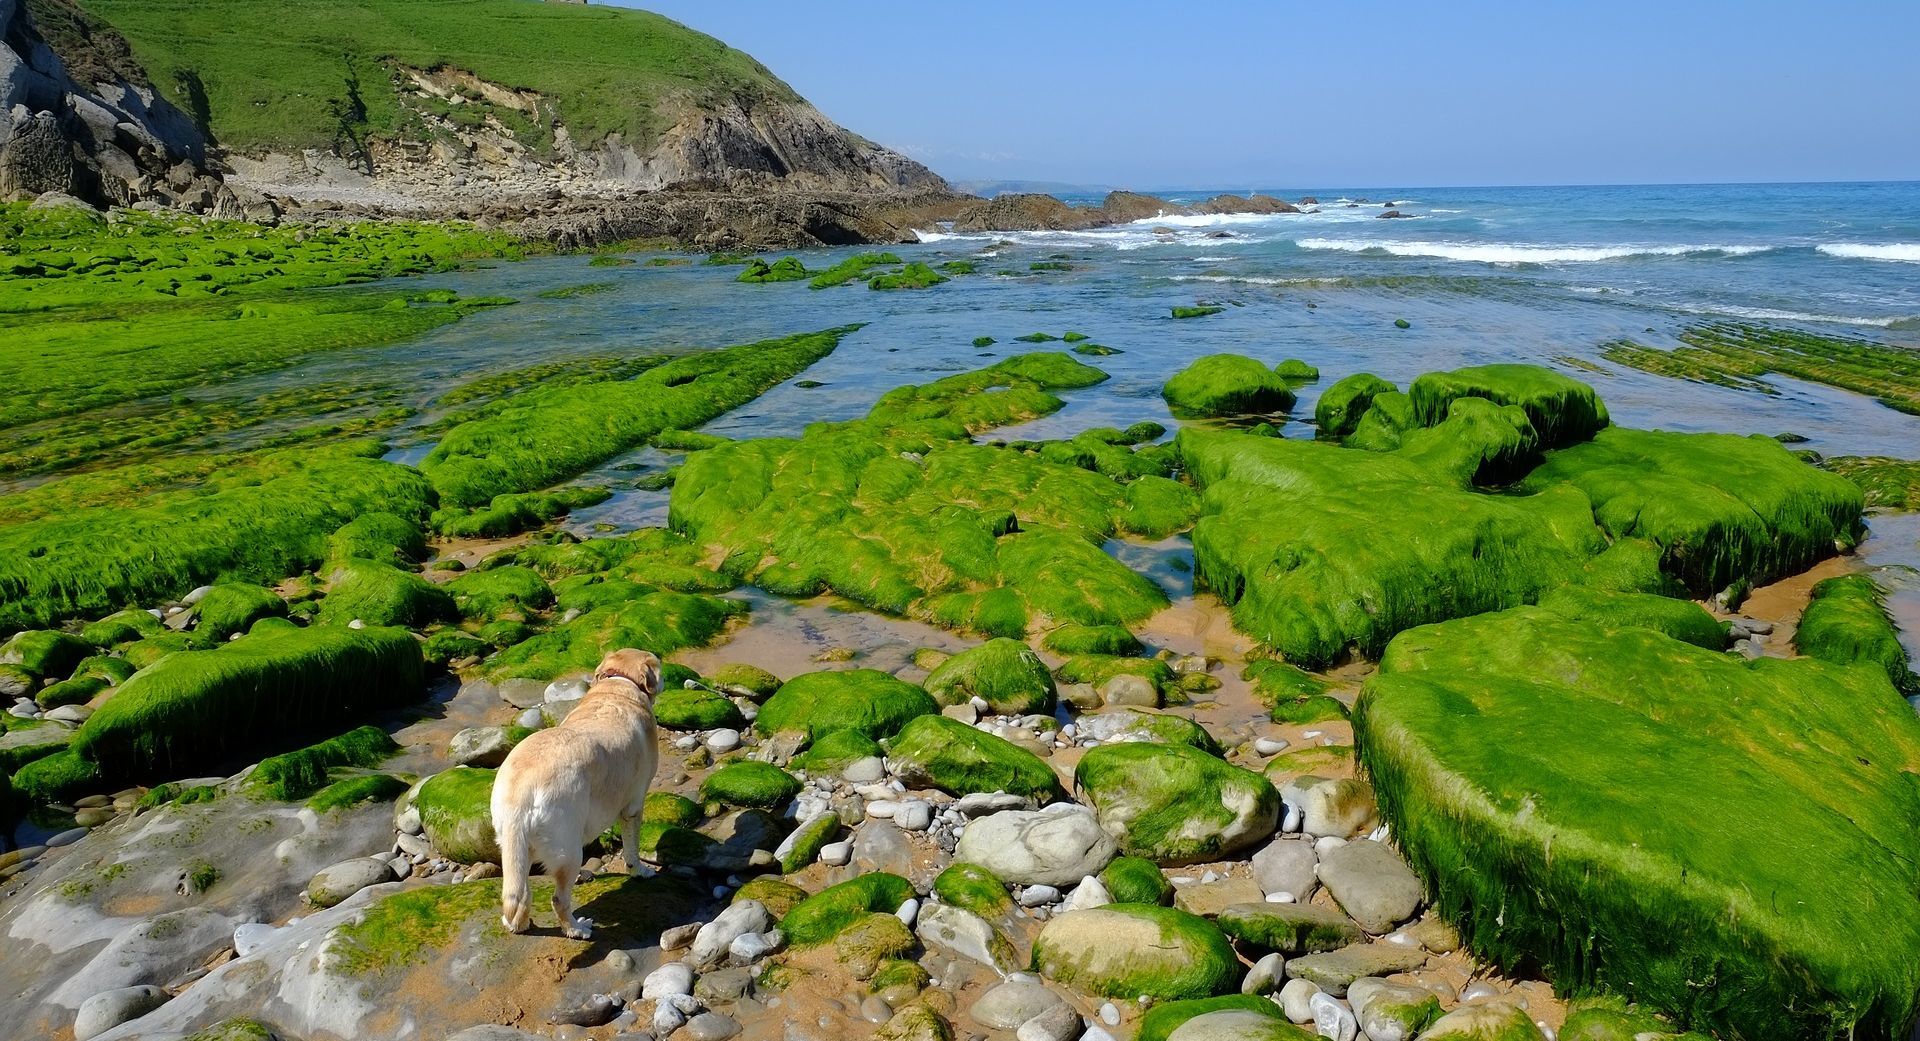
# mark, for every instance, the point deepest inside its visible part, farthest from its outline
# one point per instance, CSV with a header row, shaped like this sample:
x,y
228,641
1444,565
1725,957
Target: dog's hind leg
x,y
630,843
515,914
564,875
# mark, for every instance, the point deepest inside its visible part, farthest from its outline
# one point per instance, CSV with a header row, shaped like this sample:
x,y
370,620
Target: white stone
x,y
1332,1019
710,944
914,815
908,911
723,740
248,938
675,977
1265,974
1090,893
1039,896
1269,745
1295,1000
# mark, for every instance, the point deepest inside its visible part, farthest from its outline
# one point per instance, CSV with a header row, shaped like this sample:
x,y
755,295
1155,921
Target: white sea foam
x,y
1901,252
1768,314
1260,280
1519,253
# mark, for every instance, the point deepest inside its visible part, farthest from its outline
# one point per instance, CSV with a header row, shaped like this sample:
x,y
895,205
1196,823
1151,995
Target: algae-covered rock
x,y
1004,673
500,592
748,783
1497,744
1340,407
1225,384
191,708
836,751
786,269
1072,639
1492,1021
803,845
678,708
1136,880
1230,1017
44,652
756,682
1847,622
382,537
1057,846
122,627
1129,950
299,773
943,753
865,700
1683,620
822,916
1290,928
1176,805
1123,725
1563,410
973,888
381,594
615,613
233,607
456,810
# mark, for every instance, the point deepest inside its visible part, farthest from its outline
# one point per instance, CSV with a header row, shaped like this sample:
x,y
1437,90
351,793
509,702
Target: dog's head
x,y
637,667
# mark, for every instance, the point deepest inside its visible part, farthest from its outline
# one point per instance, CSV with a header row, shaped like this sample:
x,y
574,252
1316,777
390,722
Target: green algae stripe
x,y
1730,842
261,526
546,436
193,709
1847,622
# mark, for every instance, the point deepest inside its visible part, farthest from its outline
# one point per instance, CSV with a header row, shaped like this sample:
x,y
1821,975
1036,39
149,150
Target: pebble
x,y
108,1009
874,1009
1059,1023
914,816
1292,821
531,719
1110,1014
1039,896
909,911
1479,990
1332,1019
675,977
1327,844
836,854
865,770
723,740
712,1026
1265,974
679,937
1269,746
1295,1000
748,948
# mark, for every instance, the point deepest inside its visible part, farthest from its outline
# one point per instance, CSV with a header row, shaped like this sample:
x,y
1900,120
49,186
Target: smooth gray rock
x,y
1008,1004
1046,847
711,943
1372,884
480,746
342,880
1287,866
109,1009
712,1026
1059,1023
1334,970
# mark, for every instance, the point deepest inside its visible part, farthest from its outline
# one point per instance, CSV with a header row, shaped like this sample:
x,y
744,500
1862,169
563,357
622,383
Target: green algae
x,y
544,436
1004,673
1296,371
1683,620
1136,880
1178,955
823,916
1174,804
1846,622
748,783
383,537
1720,507
513,512
1200,311
835,751
937,752
45,652
1163,1019
614,613
295,775
59,776
1097,669
352,791
383,595
256,521
1477,734
754,680
511,591
1341,406
1890,484
868,701
456,812
1076,639
1563,410
1226,384
232,607
786,269
851,269
915,275
193,708
971,887
122,627
1742,356
682,709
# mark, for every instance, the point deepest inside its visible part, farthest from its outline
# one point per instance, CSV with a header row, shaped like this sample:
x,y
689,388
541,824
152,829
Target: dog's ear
x,y
640,667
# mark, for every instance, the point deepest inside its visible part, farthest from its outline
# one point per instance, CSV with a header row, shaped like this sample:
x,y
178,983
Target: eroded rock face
x,y
78,116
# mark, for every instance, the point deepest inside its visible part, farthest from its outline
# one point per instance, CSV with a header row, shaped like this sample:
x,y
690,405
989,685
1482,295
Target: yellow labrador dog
x,y
561,787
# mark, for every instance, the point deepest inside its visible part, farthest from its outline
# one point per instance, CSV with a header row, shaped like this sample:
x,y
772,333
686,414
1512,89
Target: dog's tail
x,y
515,911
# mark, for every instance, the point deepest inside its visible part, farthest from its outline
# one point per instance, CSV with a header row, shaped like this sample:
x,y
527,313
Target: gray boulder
x,y
342,880
1056,847
1372,884
109,1009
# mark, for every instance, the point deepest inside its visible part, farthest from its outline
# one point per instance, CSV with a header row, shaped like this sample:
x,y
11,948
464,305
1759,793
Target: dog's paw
x,y
578,929
512,926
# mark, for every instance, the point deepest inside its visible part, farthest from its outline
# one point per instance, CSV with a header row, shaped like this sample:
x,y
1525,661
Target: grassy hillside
x,y
288,74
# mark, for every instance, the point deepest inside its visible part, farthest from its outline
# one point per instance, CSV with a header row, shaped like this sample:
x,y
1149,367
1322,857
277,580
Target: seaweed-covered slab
x,y
1564,410
1223,384
903,513
1732,842
545,436
187,711
1847,622
1721,507
1318,547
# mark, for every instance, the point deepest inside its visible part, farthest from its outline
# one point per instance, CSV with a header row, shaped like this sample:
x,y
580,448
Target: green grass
x,y
545,436
1741,356
278,75
1479,735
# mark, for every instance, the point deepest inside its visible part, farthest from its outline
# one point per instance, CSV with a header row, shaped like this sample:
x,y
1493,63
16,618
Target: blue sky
x,y
1293,95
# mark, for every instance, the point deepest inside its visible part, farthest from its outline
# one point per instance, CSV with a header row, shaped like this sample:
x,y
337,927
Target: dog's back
x,y
561,787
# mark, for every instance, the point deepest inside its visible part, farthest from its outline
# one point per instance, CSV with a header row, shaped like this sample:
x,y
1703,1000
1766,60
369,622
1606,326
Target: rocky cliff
x,y
79,116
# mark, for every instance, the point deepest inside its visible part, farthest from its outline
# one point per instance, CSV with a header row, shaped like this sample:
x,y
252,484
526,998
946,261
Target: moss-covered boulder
x,y
786,269
1490,1021
678,708
257,694
1340,407
1683,620
1846,621
1128,950
46,653
382,537
1136,880
122,627
943,753
1290,928
821,917
752,680
1719,507
777,896
615,613
456,810
381,594
1073,639
1563,410
233,607
869,701
1173,804
836,751
1122,725
1226,384
1239,1017
749,783
1480,737
1004,673
299,773
971,887
500,592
